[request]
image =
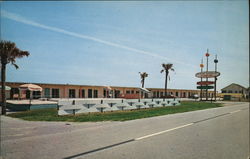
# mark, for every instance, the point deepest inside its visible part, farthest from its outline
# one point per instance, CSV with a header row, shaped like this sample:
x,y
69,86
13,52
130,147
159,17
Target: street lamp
x,y
207,55
215,78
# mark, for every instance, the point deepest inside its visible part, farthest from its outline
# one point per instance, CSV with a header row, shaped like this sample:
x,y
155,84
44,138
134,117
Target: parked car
x,y
195,96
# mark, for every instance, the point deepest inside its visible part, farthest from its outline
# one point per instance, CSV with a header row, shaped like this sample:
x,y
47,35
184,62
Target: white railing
x,y
77,106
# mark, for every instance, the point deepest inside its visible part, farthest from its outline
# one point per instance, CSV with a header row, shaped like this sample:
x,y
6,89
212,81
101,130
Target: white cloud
x,y
24,20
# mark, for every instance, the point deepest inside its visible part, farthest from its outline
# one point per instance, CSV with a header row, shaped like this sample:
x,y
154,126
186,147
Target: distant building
x,y
234,88
235,91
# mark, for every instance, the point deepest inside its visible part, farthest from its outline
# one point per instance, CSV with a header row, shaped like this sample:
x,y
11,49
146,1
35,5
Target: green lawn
x,y
51,114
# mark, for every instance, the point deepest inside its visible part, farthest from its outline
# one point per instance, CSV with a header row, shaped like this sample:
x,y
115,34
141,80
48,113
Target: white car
x,y
196,96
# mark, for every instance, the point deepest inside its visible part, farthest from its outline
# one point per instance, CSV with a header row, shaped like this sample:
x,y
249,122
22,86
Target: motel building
x,y
91,91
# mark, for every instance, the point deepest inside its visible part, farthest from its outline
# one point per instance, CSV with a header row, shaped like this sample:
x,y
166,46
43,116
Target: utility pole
x,y
201,66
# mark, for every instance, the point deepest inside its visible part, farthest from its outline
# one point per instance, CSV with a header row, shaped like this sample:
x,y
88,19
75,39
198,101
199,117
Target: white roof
x,y
144,90
31,87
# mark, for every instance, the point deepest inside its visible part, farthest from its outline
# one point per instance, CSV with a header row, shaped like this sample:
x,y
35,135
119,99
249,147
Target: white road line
x,y
22,128
161,132
14,135
168,130
235,111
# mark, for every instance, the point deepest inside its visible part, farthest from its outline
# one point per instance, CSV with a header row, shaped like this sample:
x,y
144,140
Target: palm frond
x,y
143,74
9,52
15,65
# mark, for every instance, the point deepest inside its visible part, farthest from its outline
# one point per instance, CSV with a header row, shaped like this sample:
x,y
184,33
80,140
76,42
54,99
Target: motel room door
x,y
117,93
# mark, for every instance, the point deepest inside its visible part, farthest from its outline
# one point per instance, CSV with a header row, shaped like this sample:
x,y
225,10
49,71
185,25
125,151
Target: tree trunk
x,y
3,78
142,94
166,82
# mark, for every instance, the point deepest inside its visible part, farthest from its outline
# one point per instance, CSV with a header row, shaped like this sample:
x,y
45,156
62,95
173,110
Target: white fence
x,y
77,106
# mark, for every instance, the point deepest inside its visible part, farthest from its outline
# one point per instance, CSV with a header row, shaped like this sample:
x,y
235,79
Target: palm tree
x,y
8,54
166,68
143,76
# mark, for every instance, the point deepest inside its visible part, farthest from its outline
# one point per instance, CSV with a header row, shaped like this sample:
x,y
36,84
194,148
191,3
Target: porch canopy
x,y
108,87
30,87
144,90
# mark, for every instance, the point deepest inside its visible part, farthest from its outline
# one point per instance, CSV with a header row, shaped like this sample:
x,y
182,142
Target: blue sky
x,y
108,43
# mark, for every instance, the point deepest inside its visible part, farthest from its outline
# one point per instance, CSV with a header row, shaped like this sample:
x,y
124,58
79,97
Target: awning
x,y
108,87
31,87
7,88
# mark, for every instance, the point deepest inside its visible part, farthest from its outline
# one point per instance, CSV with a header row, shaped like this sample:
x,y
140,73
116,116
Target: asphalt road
x,y
219,133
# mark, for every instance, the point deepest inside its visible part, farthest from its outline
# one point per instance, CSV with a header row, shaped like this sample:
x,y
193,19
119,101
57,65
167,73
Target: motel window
x,y
154,94
47,92
224,91
36,94
158,94
184,94
127,92
117,93
95,93
83,93
104,92
137,92
89,93
236,91
176,94
132,92
72,93
230,91
55,93
14,92
161,94
28,94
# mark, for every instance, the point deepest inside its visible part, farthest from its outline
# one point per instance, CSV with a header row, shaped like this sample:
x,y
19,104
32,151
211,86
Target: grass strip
x,y
51,114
